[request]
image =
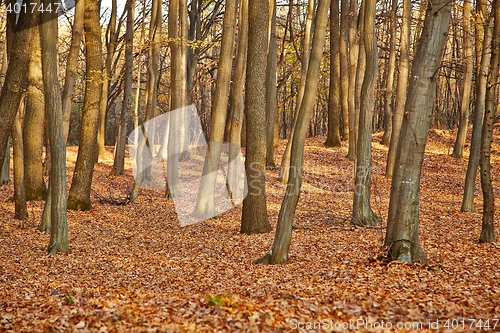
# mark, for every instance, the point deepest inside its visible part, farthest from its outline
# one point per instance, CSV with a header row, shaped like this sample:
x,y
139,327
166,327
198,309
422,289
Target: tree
x,y
254,216
57,181
279,250
402,236
79,193
333,138
21,211
205,206
485,25
121,140
362,211
458,148
488,225
401,90
271,100
344,68
353,65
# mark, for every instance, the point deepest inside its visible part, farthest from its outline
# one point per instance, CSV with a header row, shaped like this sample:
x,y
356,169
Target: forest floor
x,y
133,268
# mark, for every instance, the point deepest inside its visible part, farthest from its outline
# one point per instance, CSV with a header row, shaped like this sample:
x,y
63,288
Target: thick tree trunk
x,y
121,140
399,105
21,211
79,193
479,105
72,65
254,216
234,187
58,216
389,86
205,206
488,225
402,235
362,211
458,148
271,101
279,250
333,137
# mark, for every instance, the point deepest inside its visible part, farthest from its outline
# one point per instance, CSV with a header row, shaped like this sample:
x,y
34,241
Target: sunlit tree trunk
x,y
353,65
279,250
402,234
121,141
485,25
79,193
399,105
254,216
271,98
53,105
362,211
5,171
205,206
458,148
21,211
333,137
488,225
344,68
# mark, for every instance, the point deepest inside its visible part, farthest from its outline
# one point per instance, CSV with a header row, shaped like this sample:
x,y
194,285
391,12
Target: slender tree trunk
x,y
362,211
488,225
399,106
5,172
279,250
121,140
458,148
344,67
254,216
234,187
402,234
79,193
21,211
353,65
285,161
72,65
205,206
271,101
53,105
479,105
110,52
333,137
389,86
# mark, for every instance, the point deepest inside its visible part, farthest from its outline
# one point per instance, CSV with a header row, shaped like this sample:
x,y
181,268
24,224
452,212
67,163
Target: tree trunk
x,y
271,101
5,172
254,216
279,250
285,161
362,211
458,148
234,187
205,206
72,65
399,106
353,64
79,193
389,86
48,36
488,225
479,105
344,67
333,137
403,222
21,211
121,140
33,120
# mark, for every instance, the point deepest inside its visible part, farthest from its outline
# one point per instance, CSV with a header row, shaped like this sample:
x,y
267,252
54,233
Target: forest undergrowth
x,y
133,268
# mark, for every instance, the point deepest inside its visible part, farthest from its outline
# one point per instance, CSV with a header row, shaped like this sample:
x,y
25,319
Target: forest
x,y
263,165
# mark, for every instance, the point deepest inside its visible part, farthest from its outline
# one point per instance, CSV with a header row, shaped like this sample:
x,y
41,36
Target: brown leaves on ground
x,y
132,268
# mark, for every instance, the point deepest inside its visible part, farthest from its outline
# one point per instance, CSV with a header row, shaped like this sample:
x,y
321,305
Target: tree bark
x,y
402,234
254,216
458,148
53,105
333,134
344,68
362,211
271,101
353,64
488,225
79,193
21,211
399,106
280,248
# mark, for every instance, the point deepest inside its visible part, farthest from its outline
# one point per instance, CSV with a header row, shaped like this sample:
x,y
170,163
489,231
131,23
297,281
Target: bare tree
x,y
271,102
